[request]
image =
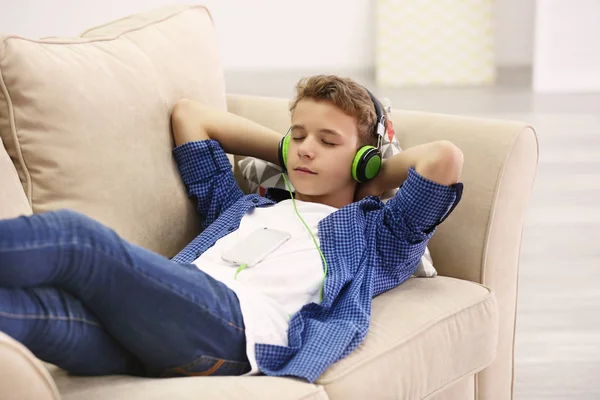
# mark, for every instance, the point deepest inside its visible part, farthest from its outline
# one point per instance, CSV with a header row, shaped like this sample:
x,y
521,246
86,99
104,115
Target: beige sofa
x,y
84,124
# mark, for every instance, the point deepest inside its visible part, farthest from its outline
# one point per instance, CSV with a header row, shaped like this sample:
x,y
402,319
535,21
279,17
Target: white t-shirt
x,y
277,287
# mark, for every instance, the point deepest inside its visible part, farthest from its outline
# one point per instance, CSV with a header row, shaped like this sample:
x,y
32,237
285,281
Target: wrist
x,y
393,173
381,182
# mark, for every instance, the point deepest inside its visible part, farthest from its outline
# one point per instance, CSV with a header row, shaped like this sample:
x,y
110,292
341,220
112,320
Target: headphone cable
x,y
287,184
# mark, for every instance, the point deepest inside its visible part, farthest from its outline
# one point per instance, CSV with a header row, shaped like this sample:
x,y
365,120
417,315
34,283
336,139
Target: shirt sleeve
x,y
419,206
409,221
208,178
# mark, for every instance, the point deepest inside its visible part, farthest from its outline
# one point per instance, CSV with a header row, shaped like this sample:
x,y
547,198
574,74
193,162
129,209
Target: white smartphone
x,y
253,248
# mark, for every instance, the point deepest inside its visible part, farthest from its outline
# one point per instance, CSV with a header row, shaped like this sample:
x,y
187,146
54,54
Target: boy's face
x,y
324,141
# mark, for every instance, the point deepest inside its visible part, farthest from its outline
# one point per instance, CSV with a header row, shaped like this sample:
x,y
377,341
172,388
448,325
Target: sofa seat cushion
x,y
189,388
86,121
424,335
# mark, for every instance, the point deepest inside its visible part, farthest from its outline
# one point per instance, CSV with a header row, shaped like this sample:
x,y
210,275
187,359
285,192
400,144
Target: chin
x,y
318,190
316,187
308,190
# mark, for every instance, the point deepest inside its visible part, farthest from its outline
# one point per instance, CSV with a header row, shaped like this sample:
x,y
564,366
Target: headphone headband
x,y
380,125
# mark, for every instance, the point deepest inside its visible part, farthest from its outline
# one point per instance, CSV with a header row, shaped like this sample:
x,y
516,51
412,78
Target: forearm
x,y
237,135
439,161
394,170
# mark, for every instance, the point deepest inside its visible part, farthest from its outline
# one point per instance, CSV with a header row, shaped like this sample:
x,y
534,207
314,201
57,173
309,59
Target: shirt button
x,y
255,201
231,228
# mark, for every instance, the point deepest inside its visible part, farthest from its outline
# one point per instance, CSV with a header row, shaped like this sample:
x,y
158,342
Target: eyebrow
x,y
325,130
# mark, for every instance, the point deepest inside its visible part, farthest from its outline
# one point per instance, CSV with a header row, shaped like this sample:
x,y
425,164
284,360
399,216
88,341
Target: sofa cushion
x,y
12,198
189,388
86,121
22,376
424,335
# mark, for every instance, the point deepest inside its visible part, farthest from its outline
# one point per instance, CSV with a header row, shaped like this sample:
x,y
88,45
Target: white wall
x,y
514,27
268,34
567,53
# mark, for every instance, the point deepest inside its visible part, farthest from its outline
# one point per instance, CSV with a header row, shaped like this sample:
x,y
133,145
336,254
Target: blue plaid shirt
x,y
370,247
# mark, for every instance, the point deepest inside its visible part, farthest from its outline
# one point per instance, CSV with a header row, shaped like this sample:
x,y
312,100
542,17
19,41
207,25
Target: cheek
x,y
339,165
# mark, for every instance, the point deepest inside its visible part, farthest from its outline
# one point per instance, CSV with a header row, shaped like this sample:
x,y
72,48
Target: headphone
x,y
367,161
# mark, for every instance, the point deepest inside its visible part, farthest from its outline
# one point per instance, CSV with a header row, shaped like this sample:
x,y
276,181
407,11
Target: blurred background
x,y
531,60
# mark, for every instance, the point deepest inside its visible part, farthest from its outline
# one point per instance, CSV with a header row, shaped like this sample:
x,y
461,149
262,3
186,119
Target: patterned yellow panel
x,y
434,42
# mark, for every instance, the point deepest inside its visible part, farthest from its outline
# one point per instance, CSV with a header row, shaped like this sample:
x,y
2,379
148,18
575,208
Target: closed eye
x,y
326,143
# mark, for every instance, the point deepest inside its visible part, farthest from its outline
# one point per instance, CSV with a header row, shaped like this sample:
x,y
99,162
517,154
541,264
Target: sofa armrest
x,y
13,201
481,240
22,376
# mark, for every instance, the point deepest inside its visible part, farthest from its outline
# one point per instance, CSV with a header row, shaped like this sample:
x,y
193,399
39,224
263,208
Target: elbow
x,y
451,159
182,111
186,122
444,163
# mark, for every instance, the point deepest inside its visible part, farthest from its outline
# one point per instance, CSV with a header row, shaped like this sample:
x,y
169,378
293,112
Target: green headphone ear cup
x,y
366,164
284,145
373,166
356,161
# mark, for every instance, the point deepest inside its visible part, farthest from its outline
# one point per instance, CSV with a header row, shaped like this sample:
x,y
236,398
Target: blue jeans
x,y
80,297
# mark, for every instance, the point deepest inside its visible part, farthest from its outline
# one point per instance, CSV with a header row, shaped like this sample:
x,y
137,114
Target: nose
x,y
306,148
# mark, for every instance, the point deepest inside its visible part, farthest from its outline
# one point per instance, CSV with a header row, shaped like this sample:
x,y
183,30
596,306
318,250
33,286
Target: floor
x,y
558,328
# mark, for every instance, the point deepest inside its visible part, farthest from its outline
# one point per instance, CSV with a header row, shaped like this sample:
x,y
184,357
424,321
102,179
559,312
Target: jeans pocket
x,y
209,366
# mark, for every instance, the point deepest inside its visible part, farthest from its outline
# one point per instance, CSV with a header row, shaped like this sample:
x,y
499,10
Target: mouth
x,y
303,170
